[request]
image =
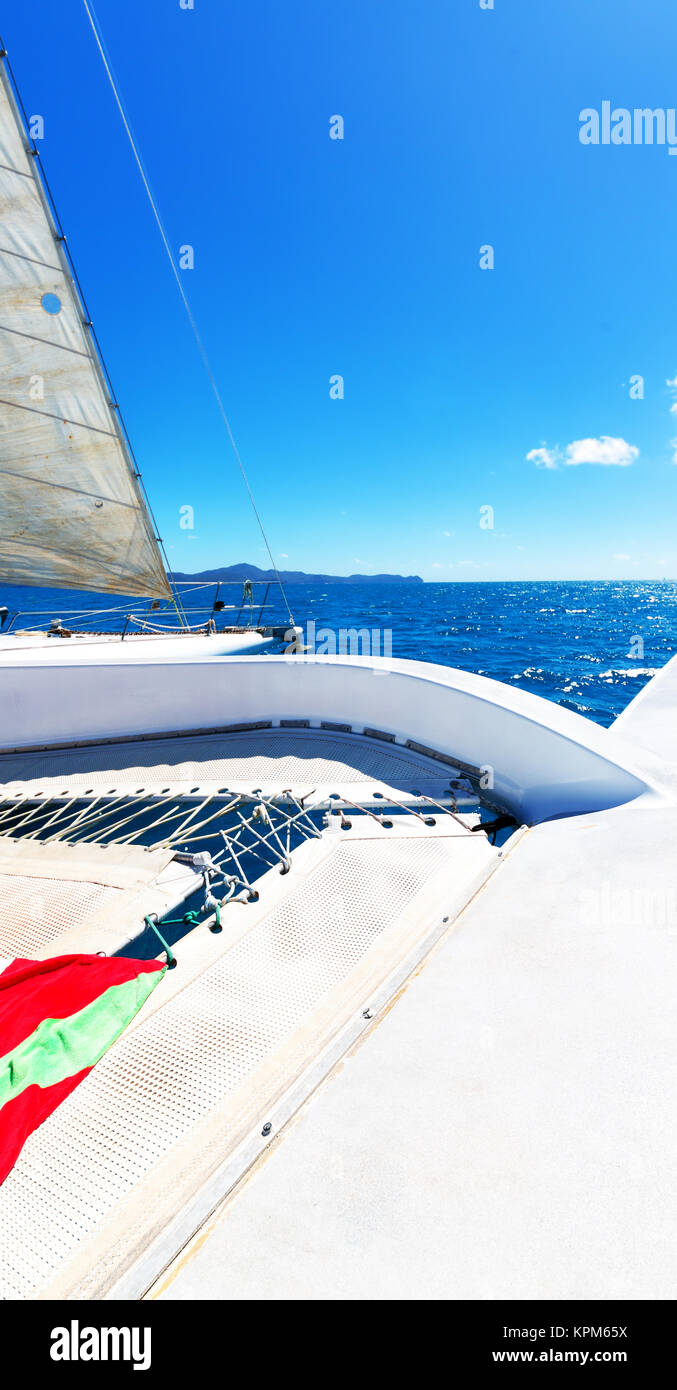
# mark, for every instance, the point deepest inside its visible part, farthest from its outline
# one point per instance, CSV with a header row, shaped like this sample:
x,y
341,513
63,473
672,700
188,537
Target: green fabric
x,y
62,1047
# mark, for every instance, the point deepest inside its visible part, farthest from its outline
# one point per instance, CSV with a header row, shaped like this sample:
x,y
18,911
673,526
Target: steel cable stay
x,y
105,58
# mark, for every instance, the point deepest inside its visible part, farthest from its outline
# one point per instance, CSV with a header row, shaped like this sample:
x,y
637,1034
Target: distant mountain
x,y
245,571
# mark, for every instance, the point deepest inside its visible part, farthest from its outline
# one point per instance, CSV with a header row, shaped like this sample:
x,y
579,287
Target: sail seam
x,y
110,434
48,342
23,173
5,251
65,487
107,566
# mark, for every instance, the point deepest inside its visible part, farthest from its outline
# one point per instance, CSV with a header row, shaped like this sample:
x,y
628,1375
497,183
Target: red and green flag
x,y
57,1018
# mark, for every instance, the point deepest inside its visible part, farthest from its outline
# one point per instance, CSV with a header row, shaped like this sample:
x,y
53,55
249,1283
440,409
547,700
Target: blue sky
x,y
360,257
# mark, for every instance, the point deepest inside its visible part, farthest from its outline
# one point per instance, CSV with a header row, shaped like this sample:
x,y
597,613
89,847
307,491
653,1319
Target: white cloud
x,y
672,384
284,555
543,458
673,445
606,451
436,565
622,557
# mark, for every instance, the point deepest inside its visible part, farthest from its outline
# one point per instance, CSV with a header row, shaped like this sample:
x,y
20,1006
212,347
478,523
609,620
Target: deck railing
x,y
252,608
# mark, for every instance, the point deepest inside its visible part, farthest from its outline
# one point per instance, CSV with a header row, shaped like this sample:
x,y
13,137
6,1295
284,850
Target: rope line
x,y
191,318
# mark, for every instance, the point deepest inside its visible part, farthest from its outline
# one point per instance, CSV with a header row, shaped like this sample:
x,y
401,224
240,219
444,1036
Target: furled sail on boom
x,y
72,513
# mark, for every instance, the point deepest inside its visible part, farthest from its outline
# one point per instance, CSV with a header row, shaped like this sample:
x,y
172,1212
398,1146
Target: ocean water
x,y
589,646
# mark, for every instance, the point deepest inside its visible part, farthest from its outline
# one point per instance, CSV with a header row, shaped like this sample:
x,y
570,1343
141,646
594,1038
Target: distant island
x,y
244,571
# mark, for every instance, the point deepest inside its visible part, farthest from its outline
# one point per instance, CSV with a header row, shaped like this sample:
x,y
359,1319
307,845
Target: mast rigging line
x,y
96,30
87,319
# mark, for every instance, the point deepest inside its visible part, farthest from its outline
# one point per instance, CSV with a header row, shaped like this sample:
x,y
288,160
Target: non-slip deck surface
x,y
113,1165
281,756
57,898
520,1140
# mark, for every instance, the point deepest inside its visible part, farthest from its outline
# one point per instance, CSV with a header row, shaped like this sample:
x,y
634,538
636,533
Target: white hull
x,y
41,649
536,758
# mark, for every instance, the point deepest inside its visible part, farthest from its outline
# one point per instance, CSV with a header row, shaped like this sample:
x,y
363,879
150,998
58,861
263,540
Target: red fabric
x,y
21,1115
31,990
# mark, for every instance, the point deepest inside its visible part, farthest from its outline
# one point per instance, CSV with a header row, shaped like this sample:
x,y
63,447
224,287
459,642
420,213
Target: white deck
x,y
235,1028
501,1129
506,1130
40,649
200,764
130,1154
650,720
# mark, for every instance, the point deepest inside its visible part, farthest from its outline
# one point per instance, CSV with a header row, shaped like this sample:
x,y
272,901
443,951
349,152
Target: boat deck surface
x,y
250,1019
650,720
275,758
507,1130
503,1132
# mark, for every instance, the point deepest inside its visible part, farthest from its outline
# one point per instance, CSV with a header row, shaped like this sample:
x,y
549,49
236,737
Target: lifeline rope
x,y
189,919
191,319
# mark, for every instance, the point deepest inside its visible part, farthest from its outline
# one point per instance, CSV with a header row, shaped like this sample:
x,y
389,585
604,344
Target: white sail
x,y
72,513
